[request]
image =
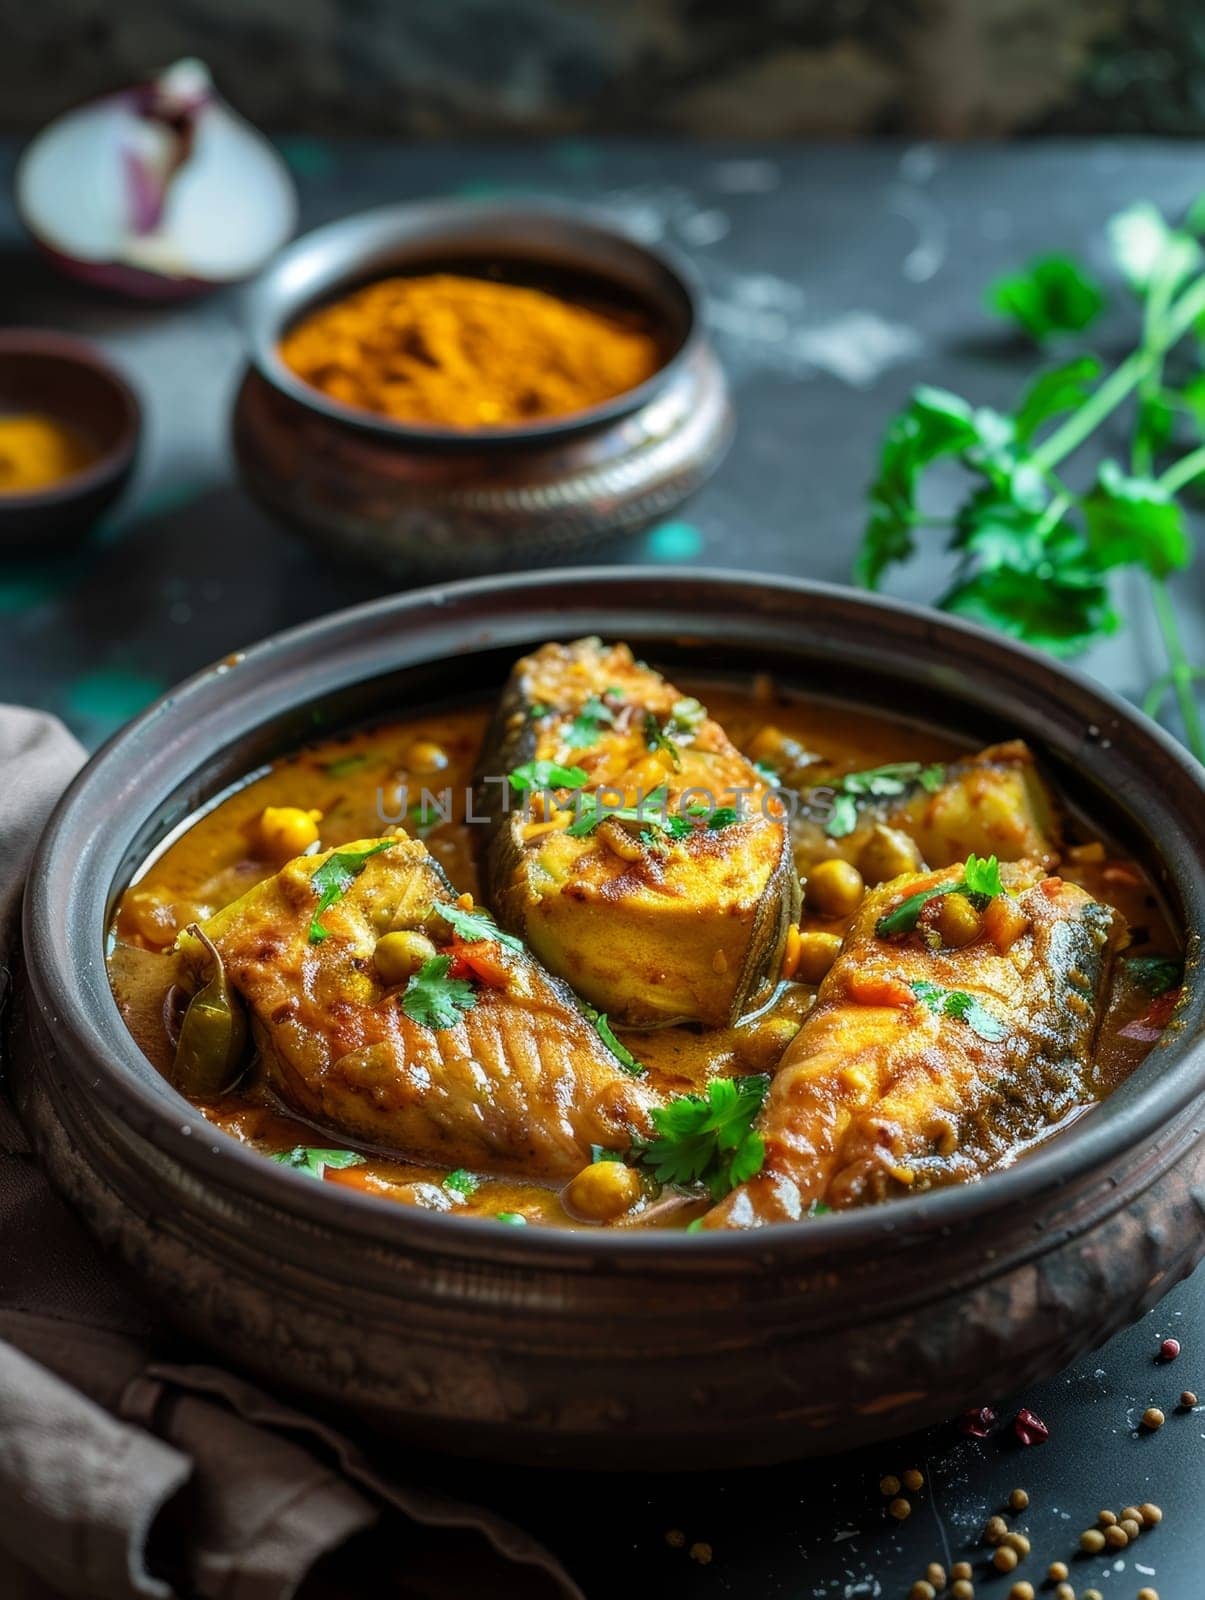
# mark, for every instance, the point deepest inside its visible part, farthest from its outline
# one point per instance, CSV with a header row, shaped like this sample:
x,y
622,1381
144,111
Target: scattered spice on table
x,y
1169,1349
37,452
675,1538
701,1553
1092,1541
978,1422
1057,1571
914,1479
1030,1429
1018,1500
1005,1558
460,352
900,1508
1188,1399
1153,1418
889,1485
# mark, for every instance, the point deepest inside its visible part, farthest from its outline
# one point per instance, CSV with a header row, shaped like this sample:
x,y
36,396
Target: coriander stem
x,y
1183,471
1182,673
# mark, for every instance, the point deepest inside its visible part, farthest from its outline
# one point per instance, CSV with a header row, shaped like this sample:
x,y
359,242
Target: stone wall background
x,y
759,68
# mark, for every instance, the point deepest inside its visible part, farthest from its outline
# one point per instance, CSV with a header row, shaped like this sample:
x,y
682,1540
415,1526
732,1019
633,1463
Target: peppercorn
x,y
1130,1527
1169,1349
921,1590
936,1574
962,1589
914,1480
1107,1519
1057,1571
961,1569
1092,1540
1018,1500
994,1530
1150,1514
1021,1591
890,1485
1117,1538
1153,1418
1005,1558
1188,1400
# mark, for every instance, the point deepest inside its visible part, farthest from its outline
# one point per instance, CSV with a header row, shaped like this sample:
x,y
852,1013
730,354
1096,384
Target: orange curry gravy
x,y
354,781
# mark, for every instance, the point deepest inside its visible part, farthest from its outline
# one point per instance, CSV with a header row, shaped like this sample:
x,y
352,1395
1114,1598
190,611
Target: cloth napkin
x,y
129,1471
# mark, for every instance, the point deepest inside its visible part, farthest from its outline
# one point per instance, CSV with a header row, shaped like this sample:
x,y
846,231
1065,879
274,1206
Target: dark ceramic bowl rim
x,y
54,956
113,461
266,318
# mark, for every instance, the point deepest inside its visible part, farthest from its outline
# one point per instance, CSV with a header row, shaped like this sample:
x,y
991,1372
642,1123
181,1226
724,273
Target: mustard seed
x,y
1017,1542
1130,1527
1057,1571
1130,1514
1021,1591
1117,1538
1107,1519
1018,1500
1150,1514
922,1590
962,1589
675,1538
900,1508
1147,1594
1093,1594
1064,1592
1153,1418
701,1553
1188,1400
994,1530
936,1574
961,1571
913,1479
1092,1540
1005,1558
889,1486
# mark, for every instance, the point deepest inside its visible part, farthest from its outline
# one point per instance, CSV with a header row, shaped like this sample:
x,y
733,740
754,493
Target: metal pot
x,y
597,1348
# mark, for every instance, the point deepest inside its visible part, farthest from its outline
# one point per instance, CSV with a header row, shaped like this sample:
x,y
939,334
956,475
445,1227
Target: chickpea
x,y
886,854
814,954
398,956
424,755
602,1191
287,831
834,889
957,921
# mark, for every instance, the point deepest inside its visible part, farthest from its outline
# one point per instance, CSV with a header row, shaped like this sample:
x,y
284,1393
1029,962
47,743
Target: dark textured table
x,y
837,279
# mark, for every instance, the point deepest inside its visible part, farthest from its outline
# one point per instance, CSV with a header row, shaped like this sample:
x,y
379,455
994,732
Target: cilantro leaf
x,y
599,1152
1156,974
342,765
708,1140
1051,294
1135,522
433,999
460,1182
591,811
686,715
895,778
585,728
1062,613
980,882
424,816
1058,389
547,775
334,878
313,1163
622,1054
478,924
656,737
962,1006
515,1219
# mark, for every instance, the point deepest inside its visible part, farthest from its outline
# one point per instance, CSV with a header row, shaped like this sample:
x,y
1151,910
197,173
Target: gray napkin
x,y
126,1474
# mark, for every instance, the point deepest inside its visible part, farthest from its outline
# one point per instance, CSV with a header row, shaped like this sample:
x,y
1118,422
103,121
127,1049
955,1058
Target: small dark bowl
x,y
408,498
601,1348
74,382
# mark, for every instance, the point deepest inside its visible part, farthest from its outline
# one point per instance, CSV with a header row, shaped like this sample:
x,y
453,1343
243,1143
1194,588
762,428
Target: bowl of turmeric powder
x,y
459,386
69,427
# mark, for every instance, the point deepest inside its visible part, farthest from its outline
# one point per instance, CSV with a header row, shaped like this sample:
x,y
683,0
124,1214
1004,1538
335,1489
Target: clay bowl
x,y
72,381
410,499
590,1348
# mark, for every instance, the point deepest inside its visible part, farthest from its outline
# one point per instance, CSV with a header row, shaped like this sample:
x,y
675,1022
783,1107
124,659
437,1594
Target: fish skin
x,y
690,930
878,1095
521,1084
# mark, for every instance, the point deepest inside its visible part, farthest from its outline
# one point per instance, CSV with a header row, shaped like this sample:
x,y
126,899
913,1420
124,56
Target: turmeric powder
x,y
37,452
460,352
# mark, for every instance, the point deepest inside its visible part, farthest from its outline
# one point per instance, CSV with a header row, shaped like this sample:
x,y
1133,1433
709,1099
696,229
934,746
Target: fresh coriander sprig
x,y
435,1000
980,882
1034,556
312,1163
876,782
708,1140
334,878
963,1007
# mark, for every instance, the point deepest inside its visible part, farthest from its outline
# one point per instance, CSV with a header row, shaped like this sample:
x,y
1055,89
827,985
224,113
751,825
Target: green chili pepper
x,y
213,1034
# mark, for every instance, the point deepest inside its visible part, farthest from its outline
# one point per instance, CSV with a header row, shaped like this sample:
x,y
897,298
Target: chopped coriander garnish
x,y
599,1152
695,1227
334,878
585,728
303,1158
686,715
768,773
657,738
342,765
878,782
723,817
424,818
461,1182
1156,974
478,924
547,775
537,709
620,1051
963,1007
516,1219
433,999
708,1140
592,811
980,882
